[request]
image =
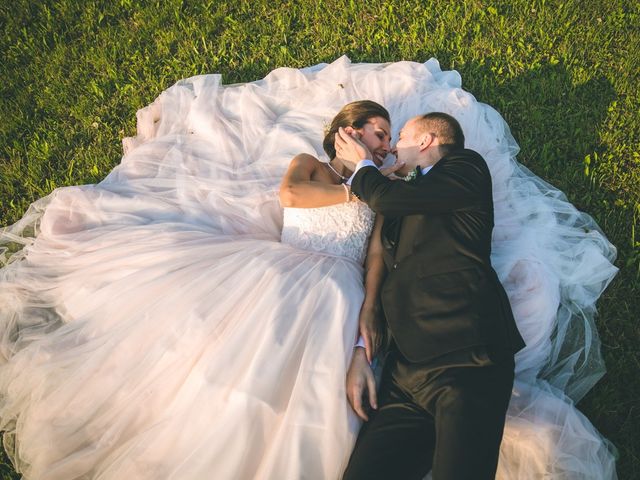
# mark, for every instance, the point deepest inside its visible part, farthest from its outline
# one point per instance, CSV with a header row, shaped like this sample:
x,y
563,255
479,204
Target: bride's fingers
x,y
387,171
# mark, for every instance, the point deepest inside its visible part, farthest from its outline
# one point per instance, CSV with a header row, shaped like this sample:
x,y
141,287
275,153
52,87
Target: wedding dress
x,y
173,321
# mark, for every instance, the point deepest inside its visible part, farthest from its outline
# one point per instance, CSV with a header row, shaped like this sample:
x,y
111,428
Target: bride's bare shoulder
x,y
304,164
305,159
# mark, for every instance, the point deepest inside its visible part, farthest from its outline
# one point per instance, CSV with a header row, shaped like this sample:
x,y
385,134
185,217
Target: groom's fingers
x,y
345,138
356,403
340,137
339,142
368,345
377,342
371,387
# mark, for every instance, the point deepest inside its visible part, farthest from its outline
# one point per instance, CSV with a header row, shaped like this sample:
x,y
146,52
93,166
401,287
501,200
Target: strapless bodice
x,y
341,229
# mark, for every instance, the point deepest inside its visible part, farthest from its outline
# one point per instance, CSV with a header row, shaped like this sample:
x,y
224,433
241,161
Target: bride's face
x,y
376,135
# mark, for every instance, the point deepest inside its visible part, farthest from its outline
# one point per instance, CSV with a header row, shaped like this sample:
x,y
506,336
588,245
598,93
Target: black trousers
x,y
448,419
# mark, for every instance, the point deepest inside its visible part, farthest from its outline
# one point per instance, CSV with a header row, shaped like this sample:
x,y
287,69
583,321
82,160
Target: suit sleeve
x,y
458,184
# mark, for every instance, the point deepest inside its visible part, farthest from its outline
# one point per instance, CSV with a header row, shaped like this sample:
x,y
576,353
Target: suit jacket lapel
x,y
392,226
391,233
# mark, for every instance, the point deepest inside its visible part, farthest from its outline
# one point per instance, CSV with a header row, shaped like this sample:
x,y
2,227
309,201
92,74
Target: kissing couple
x,y
195,314
449,372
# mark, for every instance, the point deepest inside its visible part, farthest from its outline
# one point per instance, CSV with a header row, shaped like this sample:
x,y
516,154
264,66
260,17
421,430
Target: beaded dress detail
x,y
342,230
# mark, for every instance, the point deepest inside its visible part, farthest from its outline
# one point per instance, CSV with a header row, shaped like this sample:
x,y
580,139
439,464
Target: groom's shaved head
x,y
443,126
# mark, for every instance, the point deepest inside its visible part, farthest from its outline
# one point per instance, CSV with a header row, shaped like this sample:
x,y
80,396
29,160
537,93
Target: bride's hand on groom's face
x,y
391,170
350,149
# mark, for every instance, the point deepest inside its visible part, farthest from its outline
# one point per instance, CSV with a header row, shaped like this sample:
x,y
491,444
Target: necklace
x,y
342,177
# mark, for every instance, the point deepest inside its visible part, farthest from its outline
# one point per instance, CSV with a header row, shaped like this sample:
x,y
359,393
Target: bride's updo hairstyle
x,y
354,114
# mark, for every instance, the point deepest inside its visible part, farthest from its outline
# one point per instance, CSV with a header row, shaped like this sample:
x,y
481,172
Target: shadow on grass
x,y
554,119
557,123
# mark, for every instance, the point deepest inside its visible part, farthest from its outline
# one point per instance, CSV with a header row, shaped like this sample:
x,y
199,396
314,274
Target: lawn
x,y
565,76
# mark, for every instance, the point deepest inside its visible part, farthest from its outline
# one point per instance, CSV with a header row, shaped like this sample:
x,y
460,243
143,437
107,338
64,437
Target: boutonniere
x,y
413,174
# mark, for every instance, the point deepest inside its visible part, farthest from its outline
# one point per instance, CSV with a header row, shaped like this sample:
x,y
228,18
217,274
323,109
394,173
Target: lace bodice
x,y
341,229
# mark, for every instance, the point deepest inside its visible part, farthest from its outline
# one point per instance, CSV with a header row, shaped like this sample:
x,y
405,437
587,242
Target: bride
x,y
173,322
183,353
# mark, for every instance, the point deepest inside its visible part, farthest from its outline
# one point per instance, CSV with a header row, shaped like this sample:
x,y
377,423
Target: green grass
x,y
565,76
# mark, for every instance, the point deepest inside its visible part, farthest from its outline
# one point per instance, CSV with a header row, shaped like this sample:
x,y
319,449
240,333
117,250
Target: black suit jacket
x,y
441,294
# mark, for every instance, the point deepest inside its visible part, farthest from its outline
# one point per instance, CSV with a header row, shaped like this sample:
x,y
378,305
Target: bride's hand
x,y
392,169
371,329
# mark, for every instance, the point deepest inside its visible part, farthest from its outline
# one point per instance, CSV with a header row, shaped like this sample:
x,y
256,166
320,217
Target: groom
x,y
449,372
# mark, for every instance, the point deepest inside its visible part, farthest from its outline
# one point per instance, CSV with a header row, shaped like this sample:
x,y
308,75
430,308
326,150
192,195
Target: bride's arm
x,y
300,191
370,321
360,382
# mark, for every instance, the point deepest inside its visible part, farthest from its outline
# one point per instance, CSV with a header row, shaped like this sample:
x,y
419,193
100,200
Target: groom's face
x,y
407,148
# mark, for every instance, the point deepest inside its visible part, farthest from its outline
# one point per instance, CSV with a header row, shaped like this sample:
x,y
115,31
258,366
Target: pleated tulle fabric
x,y
155,326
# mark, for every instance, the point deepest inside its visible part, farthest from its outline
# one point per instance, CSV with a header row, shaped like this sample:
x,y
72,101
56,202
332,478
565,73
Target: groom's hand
x,y
350,150
371,329
360,382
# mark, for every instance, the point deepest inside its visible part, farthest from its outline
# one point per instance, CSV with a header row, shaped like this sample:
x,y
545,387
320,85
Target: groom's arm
x,y
462,182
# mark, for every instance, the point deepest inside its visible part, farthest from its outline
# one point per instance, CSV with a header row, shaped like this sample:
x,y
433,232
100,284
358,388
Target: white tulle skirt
x,y
153,326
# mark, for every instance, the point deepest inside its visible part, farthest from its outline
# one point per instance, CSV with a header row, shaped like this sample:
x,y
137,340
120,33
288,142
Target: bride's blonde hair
x,y
354,114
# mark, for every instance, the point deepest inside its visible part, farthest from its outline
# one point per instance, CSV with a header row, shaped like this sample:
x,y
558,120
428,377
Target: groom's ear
x,y
426,141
